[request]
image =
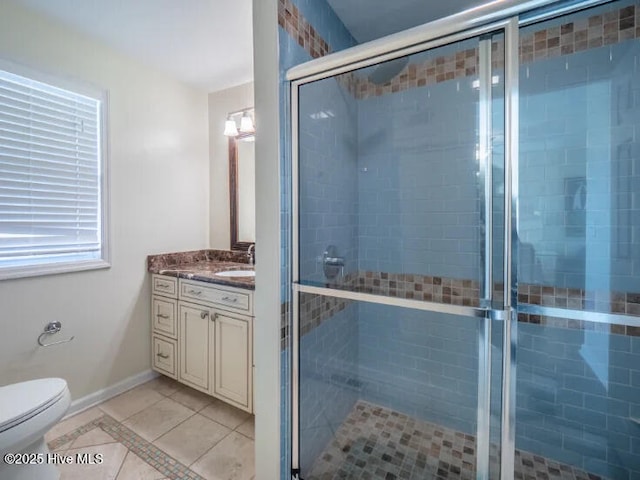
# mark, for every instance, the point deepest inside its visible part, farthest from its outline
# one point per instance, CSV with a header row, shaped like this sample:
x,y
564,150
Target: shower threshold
x,y
375,442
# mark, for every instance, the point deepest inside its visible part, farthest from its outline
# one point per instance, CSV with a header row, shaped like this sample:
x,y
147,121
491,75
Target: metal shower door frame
x,y
486,311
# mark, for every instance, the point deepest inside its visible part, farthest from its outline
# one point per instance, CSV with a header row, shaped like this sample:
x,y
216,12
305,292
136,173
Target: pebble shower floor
x,y
375,443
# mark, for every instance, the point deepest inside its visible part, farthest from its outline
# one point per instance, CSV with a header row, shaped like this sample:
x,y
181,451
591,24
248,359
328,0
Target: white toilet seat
x,y
20,402
28,410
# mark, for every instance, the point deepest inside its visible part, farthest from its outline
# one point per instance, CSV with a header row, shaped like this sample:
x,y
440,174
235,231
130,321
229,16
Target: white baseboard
x,y
100,396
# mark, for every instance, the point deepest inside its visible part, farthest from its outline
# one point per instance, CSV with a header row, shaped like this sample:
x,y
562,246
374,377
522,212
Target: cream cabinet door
x,y
194,346
233,359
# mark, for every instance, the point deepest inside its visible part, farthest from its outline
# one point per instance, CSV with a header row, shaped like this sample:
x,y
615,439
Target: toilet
x,y
28,410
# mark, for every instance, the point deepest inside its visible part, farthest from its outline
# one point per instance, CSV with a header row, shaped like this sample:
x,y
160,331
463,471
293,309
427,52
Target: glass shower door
x,y
578,385
398,265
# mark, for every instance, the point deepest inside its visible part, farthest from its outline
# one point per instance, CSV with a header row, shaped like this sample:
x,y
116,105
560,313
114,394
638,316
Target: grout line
x,y
123,460
212,447
174,427
133,414
219,441
245,436
146,408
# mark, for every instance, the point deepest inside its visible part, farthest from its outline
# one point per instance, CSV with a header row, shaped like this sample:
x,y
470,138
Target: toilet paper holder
x,y
51,329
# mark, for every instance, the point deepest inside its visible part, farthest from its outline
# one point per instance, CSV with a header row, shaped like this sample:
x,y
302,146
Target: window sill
x,y
8,273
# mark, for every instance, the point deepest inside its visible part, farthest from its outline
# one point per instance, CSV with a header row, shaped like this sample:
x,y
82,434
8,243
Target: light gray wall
x,y
266,347
159,203
220,104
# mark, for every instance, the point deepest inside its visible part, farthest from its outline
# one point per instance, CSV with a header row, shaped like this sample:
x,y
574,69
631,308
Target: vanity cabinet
x,y
203,337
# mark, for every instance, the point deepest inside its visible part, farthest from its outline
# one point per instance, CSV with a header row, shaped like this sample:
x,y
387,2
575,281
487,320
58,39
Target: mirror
x,y
242,191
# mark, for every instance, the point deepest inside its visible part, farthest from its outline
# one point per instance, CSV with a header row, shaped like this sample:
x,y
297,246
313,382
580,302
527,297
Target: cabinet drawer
x,y
163,314
164,355
225,298
163,285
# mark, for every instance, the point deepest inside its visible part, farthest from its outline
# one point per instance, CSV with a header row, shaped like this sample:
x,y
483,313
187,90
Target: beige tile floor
x,y
160,430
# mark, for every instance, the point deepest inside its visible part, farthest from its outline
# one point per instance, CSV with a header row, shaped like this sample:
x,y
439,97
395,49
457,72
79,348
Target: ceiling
x,y
371,19
209,43
205,43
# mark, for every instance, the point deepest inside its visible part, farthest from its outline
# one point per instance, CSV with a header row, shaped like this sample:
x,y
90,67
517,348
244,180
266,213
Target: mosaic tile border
x,y
450,291
430,72
595,31
294,23
315,309
592,32
73,435
375,442
577,299
146,451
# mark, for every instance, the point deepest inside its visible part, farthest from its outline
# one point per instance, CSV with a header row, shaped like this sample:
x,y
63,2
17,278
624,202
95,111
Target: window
x,y
52,176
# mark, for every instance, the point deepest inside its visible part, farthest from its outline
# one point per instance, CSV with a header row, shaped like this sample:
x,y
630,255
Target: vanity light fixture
x,y
246,123
230,128
247,127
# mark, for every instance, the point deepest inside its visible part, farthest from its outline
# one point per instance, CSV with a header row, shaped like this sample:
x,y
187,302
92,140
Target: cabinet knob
x,y
162,315
163,355
229,299
214,317
195,292
204,314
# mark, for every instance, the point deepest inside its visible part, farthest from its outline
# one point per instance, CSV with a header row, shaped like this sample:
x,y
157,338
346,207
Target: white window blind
x,y
50,174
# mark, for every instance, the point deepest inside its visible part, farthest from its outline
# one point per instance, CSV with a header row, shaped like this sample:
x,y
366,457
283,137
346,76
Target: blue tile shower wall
x,y
418,212
577,394
321,16
418,209
327,199
290,54
328,381
420,363
328,25
580,169
328,176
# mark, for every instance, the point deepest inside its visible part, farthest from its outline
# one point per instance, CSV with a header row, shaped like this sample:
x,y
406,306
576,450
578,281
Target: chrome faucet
x,y
251,254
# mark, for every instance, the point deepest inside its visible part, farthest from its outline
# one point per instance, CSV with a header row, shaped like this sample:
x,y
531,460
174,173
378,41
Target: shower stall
x,y
465,261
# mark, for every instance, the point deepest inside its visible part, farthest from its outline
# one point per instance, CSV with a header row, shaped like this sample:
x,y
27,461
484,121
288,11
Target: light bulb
x,y
230,128
246,124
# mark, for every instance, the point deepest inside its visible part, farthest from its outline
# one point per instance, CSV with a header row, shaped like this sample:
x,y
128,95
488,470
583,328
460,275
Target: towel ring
x,y
51,329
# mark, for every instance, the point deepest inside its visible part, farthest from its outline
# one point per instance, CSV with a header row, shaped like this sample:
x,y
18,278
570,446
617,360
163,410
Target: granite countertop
x,y
202,265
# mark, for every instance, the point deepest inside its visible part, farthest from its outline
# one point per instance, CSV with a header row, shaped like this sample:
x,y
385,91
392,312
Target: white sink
x,y
236,273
